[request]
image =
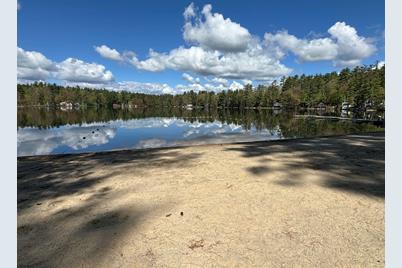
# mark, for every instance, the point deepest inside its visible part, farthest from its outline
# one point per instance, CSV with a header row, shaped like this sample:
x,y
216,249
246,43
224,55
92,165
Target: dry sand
x,y
299,203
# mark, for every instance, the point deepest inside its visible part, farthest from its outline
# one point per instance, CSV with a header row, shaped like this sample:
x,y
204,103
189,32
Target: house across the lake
x,y
66,105
345,105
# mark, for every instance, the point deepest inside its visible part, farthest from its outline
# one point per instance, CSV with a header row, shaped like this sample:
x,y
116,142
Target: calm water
x,y
46,131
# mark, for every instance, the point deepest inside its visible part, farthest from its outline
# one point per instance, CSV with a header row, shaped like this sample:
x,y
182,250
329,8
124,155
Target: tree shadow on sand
x,y
88,230
86,234
356,162
48,177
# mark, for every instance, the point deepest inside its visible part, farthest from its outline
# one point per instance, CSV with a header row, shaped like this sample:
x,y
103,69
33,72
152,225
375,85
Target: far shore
x,y
301,202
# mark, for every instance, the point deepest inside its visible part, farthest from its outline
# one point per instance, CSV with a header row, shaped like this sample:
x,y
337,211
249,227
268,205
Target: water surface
x,y
49,131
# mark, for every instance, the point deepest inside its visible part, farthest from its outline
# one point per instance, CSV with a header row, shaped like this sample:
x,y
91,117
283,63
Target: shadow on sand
x,y
88,230
357,160
48,177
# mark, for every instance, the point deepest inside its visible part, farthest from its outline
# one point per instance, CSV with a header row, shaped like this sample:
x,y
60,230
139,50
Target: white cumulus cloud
x,y
236,86
351,47
247,82
344,47
189,12
380,64
254,63
213,31
190,79
306,50
33,141
220,81
74,70
148,88
34,66
108,53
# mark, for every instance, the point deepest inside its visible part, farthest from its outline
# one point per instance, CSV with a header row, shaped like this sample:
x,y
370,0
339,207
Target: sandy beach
x,y
315,202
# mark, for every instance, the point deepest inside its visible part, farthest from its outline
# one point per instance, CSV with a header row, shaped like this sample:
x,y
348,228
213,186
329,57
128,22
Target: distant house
x,y
277,105
116,106
66,105
345,105
189,106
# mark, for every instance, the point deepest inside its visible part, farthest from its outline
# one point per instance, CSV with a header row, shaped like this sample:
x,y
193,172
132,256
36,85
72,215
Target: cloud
x,y
306,50
215,88
130,86
108,53
190,87
190,79
221,81
254,63
189,12
148,88
74,70
213,31
155,62
216,85
236,86
344,47
33,141
33,66
18,6
351,47
379,65
198,87
247,82
150,122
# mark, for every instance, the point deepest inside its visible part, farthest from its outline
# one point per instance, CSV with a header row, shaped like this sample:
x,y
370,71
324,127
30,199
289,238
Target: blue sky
x,y
72,29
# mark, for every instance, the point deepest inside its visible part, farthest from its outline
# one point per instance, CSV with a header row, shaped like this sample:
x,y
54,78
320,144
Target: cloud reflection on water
x,y
33,141
137,133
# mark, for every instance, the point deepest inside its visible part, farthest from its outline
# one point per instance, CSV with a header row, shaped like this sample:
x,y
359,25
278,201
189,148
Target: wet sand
x,y
297,203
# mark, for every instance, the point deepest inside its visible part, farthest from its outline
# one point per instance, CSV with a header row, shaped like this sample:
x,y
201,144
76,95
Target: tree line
x,y
363,86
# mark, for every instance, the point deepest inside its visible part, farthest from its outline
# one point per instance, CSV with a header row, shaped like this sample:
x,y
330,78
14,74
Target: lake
x,y
44,131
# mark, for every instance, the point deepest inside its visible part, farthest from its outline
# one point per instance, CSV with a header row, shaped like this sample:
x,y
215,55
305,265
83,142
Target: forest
x,y
362,87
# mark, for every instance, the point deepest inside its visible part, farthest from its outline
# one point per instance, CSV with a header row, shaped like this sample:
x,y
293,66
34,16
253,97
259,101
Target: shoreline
x,y
296,202
195,145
